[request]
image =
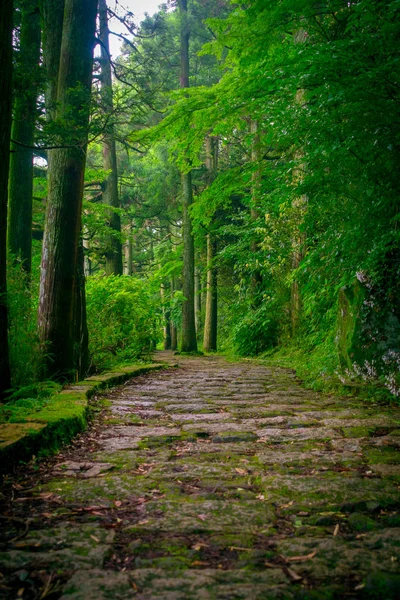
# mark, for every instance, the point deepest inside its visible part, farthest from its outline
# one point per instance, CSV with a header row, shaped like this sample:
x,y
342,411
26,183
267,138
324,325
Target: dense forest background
x,y
229,182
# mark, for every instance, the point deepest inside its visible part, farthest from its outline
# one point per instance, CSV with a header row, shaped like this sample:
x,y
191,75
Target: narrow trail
x,y
215,480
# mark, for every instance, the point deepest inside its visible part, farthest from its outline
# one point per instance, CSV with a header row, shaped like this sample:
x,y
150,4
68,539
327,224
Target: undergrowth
x,y
27,400
318,369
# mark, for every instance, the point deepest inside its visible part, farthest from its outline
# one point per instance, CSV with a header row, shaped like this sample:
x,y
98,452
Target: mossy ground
x,y
42,425
218,480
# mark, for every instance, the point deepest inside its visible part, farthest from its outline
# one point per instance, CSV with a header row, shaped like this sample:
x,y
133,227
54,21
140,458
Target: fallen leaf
x,y
143,522
292,574
336,530
117,503
133,585
271,565
241,471
199,546
260,497
287,505
96,539
301,558
46,495
361,586
202,517
198,563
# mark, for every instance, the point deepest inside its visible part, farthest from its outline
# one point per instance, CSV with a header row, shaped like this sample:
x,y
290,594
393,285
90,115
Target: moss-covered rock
x,y
382,585
361,523
368,338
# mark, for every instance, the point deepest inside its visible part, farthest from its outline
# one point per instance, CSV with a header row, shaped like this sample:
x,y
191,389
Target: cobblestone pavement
x,y
213,480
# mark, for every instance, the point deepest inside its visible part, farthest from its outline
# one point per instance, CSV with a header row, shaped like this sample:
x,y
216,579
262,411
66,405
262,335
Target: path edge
x,y
57,423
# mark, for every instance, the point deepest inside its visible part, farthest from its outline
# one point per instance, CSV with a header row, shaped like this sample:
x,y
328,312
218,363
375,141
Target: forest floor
x,y
213,480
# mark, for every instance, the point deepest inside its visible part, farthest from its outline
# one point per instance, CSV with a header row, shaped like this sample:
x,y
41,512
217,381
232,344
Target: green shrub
x,y
255,332
122,320
25,355
22,402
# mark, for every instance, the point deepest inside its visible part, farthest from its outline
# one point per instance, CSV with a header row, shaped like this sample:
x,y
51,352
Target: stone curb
x,y
65,415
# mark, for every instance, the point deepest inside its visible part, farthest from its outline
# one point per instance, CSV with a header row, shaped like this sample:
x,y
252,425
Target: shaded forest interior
x,y
228,181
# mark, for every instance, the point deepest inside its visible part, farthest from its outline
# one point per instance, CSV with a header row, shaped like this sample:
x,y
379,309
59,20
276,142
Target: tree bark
x,y
298,241
174,332
52,17
197,300
81,333
211,316
210,322
189,342
6,22
256,279
59,268
23,130
166,319
113,252
128,249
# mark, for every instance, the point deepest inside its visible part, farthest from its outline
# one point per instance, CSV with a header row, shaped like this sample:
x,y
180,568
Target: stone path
x,y
212,481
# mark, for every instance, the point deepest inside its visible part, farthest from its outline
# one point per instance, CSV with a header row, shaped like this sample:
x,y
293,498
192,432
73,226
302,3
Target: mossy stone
x,y
362,523
382,586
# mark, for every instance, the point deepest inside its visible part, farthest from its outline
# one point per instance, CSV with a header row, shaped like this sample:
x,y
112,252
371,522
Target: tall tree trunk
x,y
174,332
87,262
6,22
23,130
58,293
81,341
189,342
110,186
128,251
167,331
211,317
52,17
210,322
300,204
299,37
197,300
166,319
256,279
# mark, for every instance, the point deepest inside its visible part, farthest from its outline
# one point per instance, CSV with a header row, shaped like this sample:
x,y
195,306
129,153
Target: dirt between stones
x,y
217,481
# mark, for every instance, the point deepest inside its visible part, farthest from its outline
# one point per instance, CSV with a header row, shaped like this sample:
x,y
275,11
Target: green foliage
x,y
302,99
255,331
40,390
25,355
27,400
122,320
320,81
